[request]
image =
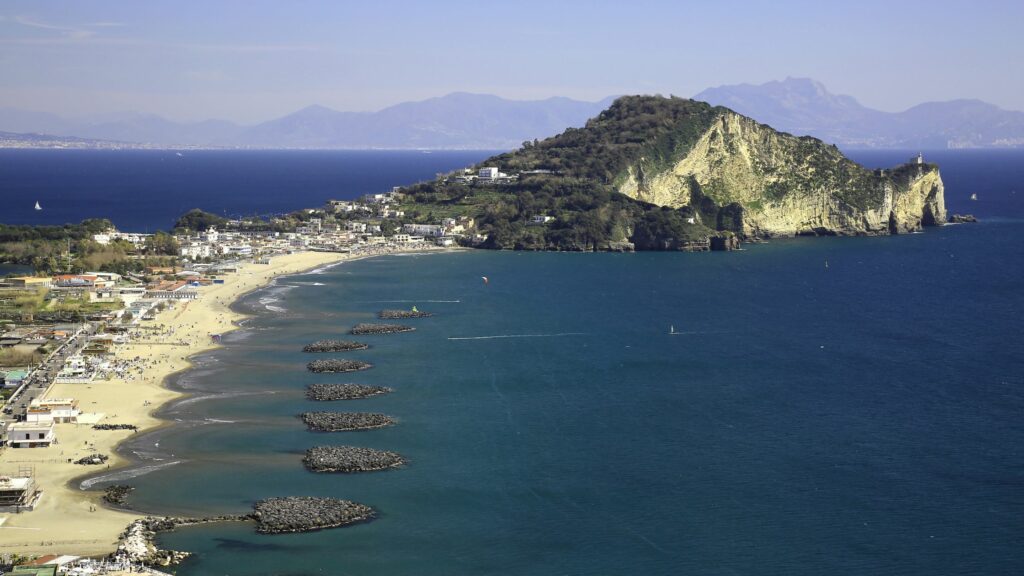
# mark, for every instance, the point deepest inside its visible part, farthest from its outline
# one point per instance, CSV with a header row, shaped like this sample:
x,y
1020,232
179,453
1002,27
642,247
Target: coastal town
x,y
83,355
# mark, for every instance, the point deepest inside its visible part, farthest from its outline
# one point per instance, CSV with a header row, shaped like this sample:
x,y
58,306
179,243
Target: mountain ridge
x,y
804,106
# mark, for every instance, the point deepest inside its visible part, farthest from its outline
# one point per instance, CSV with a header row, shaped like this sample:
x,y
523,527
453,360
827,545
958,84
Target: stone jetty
x,y
342,421
335,365
137,543
349,459
331,392
334,346
401,314
305,514
366,328
117,494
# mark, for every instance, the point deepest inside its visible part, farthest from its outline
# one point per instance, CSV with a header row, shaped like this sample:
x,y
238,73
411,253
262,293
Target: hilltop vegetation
x,y
573,180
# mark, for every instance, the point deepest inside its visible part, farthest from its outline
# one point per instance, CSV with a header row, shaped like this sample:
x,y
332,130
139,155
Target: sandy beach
x,y
71,521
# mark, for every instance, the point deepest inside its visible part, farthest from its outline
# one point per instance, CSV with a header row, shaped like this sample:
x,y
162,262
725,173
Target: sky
x,y
250,61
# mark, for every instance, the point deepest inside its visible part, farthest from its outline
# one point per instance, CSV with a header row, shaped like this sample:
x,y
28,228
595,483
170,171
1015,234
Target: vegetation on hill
x,y
197,220
71,249
573,178
713,174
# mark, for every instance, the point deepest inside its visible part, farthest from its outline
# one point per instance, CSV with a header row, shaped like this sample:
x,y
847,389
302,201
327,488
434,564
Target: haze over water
x,y
859,418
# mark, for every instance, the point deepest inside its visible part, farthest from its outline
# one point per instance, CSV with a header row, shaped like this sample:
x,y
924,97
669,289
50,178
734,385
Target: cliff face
x,y
748,178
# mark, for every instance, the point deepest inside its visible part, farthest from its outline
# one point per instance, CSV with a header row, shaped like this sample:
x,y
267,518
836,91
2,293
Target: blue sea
x,y
859,417
147,190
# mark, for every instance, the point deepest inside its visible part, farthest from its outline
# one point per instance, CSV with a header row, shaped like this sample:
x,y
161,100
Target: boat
x,y
974,196
672,330
38,207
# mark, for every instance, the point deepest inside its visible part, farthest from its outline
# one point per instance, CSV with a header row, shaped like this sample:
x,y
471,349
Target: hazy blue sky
x,y
252,60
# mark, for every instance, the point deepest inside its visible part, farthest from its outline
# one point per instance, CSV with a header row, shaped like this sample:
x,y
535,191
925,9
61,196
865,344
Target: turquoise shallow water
x,y
863,418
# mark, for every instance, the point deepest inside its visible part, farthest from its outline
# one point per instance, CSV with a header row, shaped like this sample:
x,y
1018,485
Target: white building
x,y
355,226
489,173
59,410
423,229
28,435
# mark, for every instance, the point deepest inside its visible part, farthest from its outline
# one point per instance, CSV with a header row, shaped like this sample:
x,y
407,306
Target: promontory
x,y
655,173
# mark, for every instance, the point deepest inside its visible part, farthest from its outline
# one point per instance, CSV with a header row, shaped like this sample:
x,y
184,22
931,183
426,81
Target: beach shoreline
x,y
72,520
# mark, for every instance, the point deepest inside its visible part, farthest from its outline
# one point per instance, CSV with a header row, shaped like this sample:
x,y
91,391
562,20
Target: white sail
x,y
38,207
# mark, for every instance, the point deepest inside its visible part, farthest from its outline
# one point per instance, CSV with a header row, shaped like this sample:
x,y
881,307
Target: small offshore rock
x,y
334,346
92,459
117,494
349,459
305,514
962,219
335,365
331,392
400,314
366,328
343,421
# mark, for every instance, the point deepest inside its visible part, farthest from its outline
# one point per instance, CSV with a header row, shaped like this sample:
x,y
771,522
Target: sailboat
x,y
38,207
974,196
672,330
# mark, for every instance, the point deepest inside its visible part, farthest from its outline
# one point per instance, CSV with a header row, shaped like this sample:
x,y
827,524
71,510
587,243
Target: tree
x,y
196,220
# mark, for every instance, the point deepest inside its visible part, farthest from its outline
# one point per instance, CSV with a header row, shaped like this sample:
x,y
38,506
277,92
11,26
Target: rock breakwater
x,y
331,392
342,421
350,459
334,365
117,494
367,328
401,314
334,346
305,514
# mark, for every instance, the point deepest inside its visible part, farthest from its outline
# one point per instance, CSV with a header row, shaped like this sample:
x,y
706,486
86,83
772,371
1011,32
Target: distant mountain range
x,y
455,121
803,106
479,121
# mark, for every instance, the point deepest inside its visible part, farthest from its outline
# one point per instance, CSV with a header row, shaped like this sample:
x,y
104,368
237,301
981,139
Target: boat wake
x,y
560,334
126,474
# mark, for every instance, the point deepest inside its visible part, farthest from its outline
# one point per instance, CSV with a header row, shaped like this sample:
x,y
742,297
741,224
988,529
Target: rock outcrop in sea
x,y
305,514
334,346
344,421
401,314
349,459
962,219
366,328
335,365
117,494
331,392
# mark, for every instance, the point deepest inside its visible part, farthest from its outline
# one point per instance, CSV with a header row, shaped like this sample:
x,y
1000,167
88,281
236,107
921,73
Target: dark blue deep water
x,y
861,418
146,190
